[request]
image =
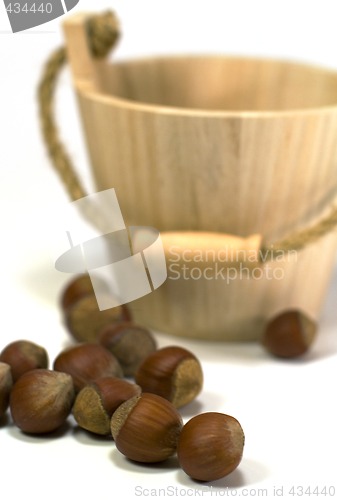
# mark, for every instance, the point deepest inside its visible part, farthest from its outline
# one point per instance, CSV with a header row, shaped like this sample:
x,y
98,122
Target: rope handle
x,y
103,33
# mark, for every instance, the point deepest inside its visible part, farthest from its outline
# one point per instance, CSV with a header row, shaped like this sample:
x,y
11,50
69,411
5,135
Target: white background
x,y
287,409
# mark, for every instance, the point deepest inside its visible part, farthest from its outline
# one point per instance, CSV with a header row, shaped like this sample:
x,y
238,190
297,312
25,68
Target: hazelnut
x,y
86,363
41,400
78,287
289,334
146,428
95,403
210,446
6,383
22,356
84,319
130,343
173,373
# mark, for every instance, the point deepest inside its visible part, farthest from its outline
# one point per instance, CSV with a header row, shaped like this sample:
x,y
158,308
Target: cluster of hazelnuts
x,y
90,380
116,382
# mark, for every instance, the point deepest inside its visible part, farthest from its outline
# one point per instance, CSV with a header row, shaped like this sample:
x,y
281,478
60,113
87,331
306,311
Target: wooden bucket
x,y
205,147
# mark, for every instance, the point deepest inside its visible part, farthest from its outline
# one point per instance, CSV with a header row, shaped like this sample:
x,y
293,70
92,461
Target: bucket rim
x,y
88,90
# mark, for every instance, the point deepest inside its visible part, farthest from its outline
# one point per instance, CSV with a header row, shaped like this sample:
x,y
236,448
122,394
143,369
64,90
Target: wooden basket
x,y
204,147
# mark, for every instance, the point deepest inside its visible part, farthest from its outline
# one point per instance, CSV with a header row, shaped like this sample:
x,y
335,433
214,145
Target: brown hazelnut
x,y
95,403
6,383
41,400
173,373
210,446
130,343
84,320
86,363
289,334
146,428
78,287
22,356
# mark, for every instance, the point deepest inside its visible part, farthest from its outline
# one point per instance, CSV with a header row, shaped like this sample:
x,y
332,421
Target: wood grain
x,y
216,144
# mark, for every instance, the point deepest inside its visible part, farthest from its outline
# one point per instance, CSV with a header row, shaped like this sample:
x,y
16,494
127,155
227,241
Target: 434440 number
x,y
17,8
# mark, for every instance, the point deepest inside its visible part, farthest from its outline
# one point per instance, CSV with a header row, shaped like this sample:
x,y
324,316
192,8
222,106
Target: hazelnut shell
x,y
41,400
84,320
146,428
87,362
6,383
77,288
95,403
130,343
289,334
22,356
173,373
210,446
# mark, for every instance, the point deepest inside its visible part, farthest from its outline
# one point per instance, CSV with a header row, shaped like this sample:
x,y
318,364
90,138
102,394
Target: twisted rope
x,y
299,240
103,33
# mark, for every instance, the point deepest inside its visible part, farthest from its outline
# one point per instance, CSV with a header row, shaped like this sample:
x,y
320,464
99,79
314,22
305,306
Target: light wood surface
x,y
218,145
79,57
